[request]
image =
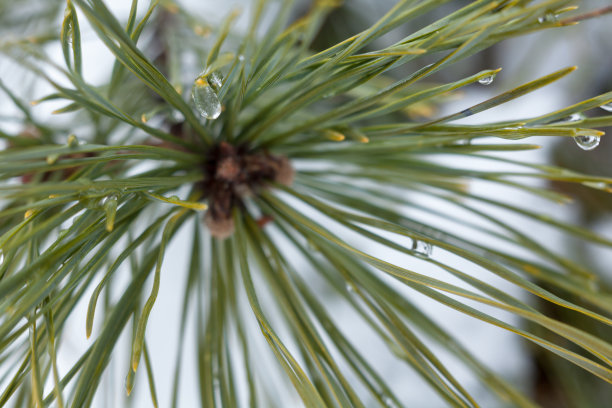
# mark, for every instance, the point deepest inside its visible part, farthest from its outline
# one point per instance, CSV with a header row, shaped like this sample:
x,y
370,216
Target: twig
x,y
585,16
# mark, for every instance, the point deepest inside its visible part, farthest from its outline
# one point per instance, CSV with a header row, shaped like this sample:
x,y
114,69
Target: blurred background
x,y
587,45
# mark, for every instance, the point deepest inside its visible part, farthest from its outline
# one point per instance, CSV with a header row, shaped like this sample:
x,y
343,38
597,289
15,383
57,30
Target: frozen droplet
x,y
422,248
587,142
607,107
205,99
488,80
215,80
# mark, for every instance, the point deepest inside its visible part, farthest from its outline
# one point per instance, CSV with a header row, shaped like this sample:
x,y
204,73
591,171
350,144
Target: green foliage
x,y
76,210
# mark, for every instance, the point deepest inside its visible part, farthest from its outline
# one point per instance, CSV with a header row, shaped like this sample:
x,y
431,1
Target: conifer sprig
x,y
290,167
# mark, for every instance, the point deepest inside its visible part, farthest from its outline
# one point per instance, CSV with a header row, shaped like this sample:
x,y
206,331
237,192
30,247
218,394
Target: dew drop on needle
x,y
587,142
215,80
548,18
205,99
607,107
488,80
422,248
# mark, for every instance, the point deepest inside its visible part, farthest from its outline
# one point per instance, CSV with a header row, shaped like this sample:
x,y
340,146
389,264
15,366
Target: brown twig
x,y
586,16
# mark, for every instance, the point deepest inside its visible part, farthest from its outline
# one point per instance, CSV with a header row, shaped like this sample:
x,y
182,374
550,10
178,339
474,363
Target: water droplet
x,y
349,288
215,80
1,257
587,142
488,80
241,58
174,198
68,33
422,248
607,107
574,117
205,99
548,18
599,185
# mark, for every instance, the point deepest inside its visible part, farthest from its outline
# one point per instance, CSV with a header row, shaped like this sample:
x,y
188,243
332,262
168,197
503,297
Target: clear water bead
x,y
548,18
422,248
574,117
215,80
205,99
587,142
488,80
607,107
599,185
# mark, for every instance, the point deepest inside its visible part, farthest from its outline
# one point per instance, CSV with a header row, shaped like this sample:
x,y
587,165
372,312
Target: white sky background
x,y
484,340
